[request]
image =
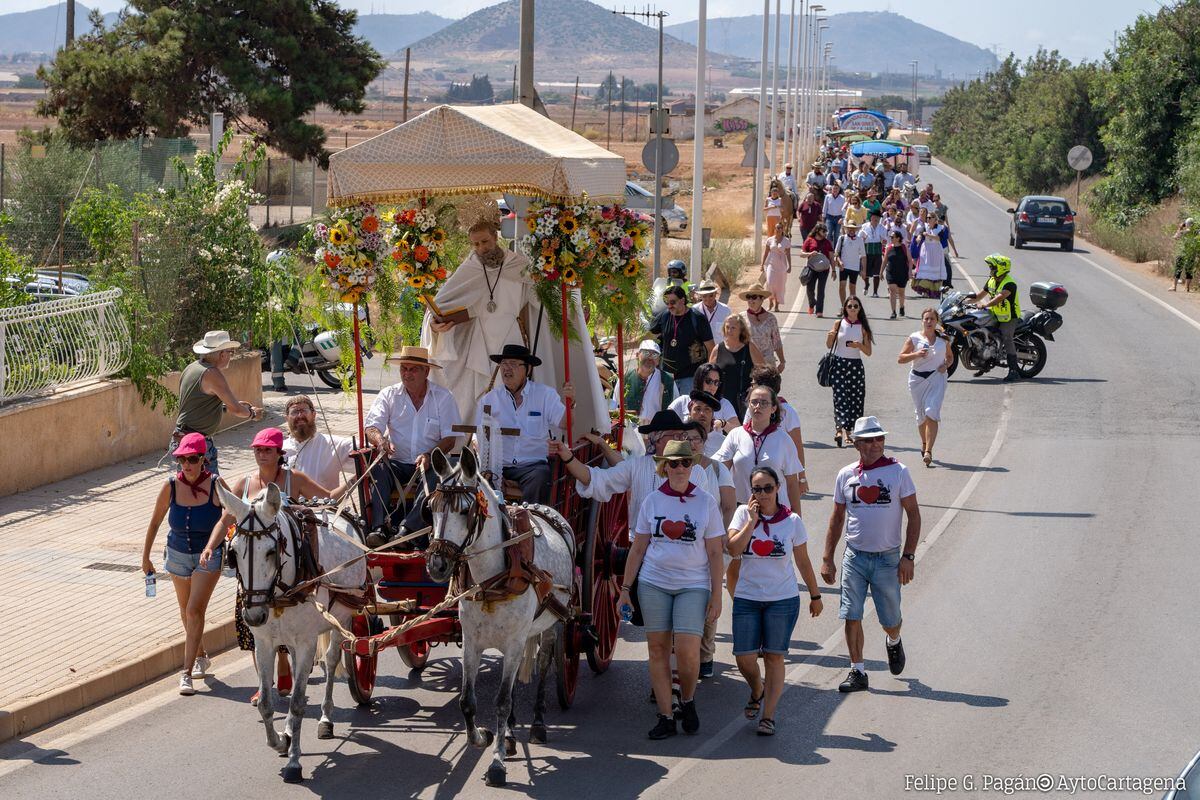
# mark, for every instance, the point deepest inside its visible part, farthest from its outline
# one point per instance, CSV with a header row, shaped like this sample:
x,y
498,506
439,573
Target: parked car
x,y
673,217
924,156
1042,218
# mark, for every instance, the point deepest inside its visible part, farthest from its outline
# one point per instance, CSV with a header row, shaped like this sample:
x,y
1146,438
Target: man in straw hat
x,y
407,421
501,307
850,256
205,395
711,307
869,498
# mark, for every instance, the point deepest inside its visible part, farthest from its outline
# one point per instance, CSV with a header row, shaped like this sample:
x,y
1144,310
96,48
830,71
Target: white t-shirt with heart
x,y
677,527
777,451
768,571
874,518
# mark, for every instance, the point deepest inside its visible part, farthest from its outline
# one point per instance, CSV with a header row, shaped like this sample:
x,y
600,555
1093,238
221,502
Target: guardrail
x,y
60,343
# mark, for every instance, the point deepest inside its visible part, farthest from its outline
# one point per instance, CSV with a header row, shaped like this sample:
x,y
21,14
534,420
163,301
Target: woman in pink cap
x,y
272,468
189,501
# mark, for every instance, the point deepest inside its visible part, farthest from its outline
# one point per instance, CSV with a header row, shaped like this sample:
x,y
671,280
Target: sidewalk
x,y
75,625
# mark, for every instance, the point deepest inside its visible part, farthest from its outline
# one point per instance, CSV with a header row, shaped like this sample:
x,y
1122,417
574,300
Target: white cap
x,y
651,345
1188,222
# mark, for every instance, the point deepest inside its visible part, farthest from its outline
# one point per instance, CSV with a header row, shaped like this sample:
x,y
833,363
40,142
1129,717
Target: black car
x,y
1042,218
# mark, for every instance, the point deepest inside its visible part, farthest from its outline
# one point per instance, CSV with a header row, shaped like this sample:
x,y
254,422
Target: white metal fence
x,y
61,342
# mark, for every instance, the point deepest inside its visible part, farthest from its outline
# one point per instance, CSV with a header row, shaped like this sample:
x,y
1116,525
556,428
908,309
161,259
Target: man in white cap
x,y
869,499
711,307
205,394
788,179
648,389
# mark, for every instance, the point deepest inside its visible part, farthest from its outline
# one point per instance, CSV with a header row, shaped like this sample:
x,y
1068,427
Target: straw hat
x,y
757,290
414,355
215,341
676,450
707,287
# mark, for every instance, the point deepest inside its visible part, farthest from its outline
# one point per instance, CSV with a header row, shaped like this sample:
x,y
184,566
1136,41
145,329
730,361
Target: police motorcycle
x,y
975,336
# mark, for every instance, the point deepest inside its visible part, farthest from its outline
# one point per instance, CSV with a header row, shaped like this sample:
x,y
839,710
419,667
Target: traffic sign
x,y
1079,158
670,155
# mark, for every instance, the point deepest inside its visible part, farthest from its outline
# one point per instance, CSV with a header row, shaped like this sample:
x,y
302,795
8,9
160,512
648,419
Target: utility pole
x,y
789,105
637,110
762,122
774,165
407,56
696,265
70,22
608,115
622,108
574,102
526,60
912,122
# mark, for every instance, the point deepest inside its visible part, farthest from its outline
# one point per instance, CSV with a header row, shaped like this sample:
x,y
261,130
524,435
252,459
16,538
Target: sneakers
x,y
663,729
855,682
185,684
1012,376
200,668
874,294
706,669
893,316
895,653
691,720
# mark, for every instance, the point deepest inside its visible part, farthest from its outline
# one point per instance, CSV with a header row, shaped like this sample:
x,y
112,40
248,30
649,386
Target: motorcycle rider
x,y
1005,306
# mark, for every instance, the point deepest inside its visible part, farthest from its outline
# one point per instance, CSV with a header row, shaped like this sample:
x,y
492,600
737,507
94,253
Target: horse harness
x,y
517,542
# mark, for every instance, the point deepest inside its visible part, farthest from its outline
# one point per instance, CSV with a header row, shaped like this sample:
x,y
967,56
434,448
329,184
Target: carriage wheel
x,y
607,535
415,656
360,670
566,663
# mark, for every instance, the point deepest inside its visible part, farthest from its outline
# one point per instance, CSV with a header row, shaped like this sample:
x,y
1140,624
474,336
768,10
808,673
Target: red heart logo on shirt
x,y
868,494
673,529
762,547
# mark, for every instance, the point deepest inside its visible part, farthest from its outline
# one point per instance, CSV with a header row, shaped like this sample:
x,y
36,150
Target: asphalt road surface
x,y
1049,629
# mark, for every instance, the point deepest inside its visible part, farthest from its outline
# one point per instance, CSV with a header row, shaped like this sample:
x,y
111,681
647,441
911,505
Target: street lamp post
x,y
789,90
912,122
774,165
759,145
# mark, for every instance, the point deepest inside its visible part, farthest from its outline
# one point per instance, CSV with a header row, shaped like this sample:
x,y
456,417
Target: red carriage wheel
x,y
415,655
566,663
360,670
607,538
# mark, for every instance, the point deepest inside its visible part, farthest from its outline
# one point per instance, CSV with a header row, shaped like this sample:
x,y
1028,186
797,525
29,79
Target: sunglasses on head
x,y
686,463
762,489
190,459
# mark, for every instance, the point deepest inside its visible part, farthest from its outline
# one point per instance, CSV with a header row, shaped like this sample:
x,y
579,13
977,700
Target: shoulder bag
x,y
825,366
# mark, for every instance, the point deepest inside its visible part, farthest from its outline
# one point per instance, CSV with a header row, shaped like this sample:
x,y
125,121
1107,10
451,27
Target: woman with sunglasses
x,y
188,500
929,356
769,538
850,339
677,558
708,379
762,441
736,355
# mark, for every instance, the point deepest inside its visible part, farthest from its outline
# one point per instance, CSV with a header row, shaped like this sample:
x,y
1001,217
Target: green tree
x,y
164,67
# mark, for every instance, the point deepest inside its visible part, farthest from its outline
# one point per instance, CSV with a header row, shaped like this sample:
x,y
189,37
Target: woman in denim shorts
x,y
188,500
770,538
677,558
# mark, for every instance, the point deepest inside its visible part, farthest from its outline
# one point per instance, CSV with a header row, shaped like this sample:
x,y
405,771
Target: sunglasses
x,y
686,463
190,459
762,489
853,307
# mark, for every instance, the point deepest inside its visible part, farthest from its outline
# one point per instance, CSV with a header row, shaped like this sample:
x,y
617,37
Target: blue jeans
x,y
674,610
834,225
879,571
684,385
764,626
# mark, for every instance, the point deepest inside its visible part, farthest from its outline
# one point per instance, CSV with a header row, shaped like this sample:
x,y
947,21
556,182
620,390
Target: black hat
x,y
519,352
705,397
667,420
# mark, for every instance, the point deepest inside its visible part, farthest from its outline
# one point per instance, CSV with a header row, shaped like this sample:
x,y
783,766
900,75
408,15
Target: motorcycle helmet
x,y
1001,265
680,268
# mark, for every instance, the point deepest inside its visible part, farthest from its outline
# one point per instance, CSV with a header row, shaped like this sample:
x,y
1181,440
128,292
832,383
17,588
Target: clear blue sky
x,y
1077,29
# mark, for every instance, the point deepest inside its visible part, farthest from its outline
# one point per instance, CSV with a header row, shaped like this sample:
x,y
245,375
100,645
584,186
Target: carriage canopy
x,y
457,150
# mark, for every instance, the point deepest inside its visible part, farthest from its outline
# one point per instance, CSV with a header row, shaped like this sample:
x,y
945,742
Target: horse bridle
x,y
460,499
259,597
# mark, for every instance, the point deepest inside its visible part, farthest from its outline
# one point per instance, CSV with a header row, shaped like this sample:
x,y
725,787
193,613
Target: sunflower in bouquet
x,y
620,264
418,246
349,247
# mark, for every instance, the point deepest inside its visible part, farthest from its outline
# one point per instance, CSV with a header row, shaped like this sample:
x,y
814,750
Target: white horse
x,y
467,529
265,548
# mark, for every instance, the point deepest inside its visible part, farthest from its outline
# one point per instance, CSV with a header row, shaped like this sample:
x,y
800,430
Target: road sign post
x,y
1079,158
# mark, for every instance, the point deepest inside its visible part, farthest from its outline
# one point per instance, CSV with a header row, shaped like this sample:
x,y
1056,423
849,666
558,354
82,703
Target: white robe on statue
x,y
463,351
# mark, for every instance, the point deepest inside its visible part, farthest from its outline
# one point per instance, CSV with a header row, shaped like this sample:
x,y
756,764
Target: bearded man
x,y
320,456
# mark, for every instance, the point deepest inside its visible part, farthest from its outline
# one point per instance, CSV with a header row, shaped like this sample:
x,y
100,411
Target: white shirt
x,y
411,430
834,206
678,527
848,333
777,451
651,397
873,234
902,179
851,249
636,476
540,413
716,318
815,179
789,181
872,500
789,418
323,458
681,404
928,205
768,570
934,357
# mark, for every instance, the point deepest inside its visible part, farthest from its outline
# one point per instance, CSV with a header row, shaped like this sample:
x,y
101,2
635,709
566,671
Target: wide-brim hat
x,y
414,355
215,341
849,225
667,420
709,399
867,428
757,290
707,287
518,351
675,450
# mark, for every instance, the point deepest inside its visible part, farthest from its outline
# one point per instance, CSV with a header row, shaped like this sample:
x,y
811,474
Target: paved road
x,y
1048,629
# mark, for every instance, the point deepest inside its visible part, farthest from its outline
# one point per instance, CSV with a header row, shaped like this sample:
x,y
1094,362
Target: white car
x,y
924,156
674,218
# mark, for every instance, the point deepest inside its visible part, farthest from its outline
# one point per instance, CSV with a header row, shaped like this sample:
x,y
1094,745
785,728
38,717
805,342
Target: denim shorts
x,y
764,626
182,564
674,610
861,569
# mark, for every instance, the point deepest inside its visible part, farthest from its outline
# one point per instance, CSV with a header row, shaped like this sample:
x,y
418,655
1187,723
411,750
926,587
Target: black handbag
x,y
806,275
825,368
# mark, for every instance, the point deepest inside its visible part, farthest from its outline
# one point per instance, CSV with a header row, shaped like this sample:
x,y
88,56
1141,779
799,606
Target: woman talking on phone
x,y
929,357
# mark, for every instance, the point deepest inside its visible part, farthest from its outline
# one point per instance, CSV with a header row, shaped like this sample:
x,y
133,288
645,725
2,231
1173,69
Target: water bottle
x,y
151,588
626,612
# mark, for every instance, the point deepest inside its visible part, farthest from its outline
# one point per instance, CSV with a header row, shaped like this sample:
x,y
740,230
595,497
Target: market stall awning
x,y
456,150
875,149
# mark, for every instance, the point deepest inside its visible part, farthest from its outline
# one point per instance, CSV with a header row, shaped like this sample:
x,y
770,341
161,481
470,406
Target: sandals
x,y
766,727
754,705
837,438
927,457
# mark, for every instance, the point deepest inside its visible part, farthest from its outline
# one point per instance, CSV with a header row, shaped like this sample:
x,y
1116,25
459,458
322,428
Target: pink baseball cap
x,y
269,437
192,444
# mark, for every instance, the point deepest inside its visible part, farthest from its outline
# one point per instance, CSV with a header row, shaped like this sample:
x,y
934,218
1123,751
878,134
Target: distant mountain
x,y
391,33
898,40
575,35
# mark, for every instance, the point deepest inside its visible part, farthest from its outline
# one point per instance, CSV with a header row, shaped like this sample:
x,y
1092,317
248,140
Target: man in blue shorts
x,y
869,499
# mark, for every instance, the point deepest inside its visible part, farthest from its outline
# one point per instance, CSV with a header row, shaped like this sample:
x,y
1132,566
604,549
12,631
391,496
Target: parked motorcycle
x,y
975,337
318,352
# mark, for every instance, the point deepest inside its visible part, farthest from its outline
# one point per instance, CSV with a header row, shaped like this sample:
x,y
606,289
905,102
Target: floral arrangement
x,y
350,246
623,237
559,244
418,243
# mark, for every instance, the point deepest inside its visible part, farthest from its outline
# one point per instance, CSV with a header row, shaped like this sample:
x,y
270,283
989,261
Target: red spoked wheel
x,y
360,670
566,663
607,543
415,656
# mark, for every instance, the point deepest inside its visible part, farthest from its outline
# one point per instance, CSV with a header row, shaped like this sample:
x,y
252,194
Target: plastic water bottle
x,y
151,588
626,611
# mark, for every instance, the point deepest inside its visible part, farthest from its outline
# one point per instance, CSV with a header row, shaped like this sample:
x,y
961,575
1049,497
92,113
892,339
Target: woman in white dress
x,y
776,264
931,264
929,356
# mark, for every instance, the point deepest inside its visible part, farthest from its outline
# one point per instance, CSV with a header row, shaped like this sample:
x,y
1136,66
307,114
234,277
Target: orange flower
x,y
398,254
421,252
370,224
440,274
332,260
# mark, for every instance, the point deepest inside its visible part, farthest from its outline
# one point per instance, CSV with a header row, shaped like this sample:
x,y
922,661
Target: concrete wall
x,y
70,432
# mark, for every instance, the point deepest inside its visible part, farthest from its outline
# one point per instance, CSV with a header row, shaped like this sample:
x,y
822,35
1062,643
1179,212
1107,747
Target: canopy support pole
x,y
362,434
620,385
566,343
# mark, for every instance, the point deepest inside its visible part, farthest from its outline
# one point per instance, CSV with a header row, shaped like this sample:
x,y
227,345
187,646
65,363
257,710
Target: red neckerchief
x,y
669,492
781,513
196,487
883,461
758,439
758,313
